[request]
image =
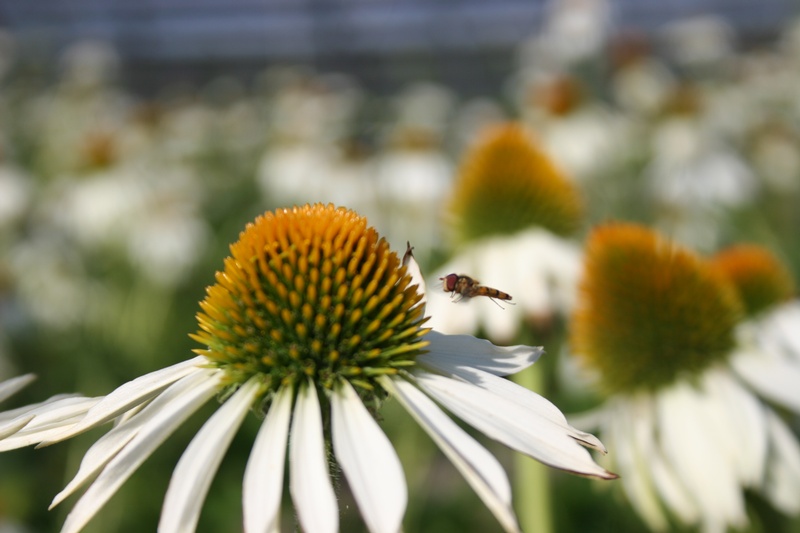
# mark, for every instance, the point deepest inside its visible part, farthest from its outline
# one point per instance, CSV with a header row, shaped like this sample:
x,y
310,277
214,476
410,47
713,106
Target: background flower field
x,y
117,207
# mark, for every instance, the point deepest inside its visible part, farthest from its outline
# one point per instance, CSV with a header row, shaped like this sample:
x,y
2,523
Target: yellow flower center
x,y
649,311
507,184
313,292
761,279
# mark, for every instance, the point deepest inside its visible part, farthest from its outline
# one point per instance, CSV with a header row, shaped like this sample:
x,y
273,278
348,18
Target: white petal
x,y
199,463
773,378
263,477
12,426
782,486
369,462
637,415
309,481
149,437
675,495
479,467
49,418
25,410
130,395
450,317
782,326
449,351
519,395
107,446
685,426
416,274
516,426
627,434
633,471
740,426
11,386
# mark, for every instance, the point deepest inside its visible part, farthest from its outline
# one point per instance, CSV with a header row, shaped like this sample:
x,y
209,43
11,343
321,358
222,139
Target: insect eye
x,y
450,282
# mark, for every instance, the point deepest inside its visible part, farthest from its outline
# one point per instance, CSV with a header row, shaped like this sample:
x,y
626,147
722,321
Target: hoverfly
x,y
466,287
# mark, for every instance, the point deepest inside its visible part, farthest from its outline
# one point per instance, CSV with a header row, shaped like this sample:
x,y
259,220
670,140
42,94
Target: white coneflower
x,y
659,328
511,209
314,322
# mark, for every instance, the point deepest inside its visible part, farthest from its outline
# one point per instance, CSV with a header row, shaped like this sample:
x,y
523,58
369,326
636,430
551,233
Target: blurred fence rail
x,y
464,42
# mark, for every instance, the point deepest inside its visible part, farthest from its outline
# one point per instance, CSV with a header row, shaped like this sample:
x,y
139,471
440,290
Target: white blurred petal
x,y
199,463
672,490
479,467
263,477
448,317
11,386
773,378
446,352
369,462
782,485
783,324
107,446
545,285
740,426
630,436
517,426
150,437
688,438
309,481
130,394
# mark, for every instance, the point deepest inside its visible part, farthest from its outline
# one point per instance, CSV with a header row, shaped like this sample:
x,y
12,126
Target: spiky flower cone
x,y
507,184
649,311
311,292
761,279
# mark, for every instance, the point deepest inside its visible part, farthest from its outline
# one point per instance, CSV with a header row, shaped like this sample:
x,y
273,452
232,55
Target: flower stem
x,y
531,482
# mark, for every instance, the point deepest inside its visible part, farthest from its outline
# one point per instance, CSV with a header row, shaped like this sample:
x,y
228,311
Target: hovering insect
x,y
466,287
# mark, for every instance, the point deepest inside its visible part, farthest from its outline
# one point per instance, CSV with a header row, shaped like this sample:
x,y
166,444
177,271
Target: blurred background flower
x,y
137,140
656,329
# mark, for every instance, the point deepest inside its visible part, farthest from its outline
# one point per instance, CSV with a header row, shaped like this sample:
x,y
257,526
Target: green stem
x,y
531,481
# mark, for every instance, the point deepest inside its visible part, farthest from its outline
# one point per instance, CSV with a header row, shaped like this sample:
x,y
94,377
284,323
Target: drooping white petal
x,y
479,467
263,477
107,446
25,410
671,489
685,426
369,462
516,426
519,395
49,418
782,485
129,395
199,463
630,437
637,415
447,352
774,378
12,426
149,437
740,426
11,386
309,481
